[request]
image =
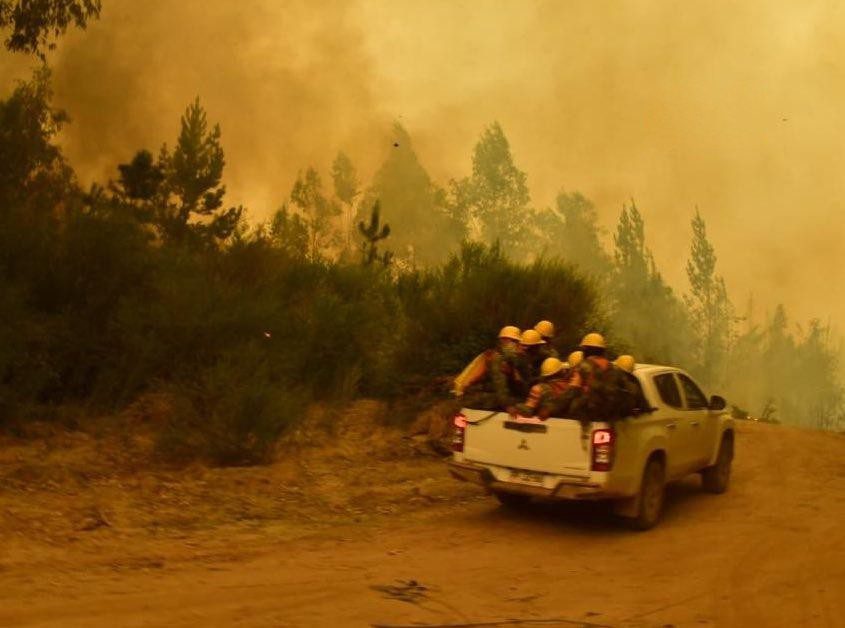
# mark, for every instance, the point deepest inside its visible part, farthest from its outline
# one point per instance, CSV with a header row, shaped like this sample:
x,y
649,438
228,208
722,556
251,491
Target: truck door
x,y
679,455
703,423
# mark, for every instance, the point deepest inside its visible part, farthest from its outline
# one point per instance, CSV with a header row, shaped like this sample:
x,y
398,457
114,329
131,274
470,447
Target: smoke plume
x,y
733,108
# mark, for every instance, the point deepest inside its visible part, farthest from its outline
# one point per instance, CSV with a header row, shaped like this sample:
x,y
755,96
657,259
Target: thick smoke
x,y
731,108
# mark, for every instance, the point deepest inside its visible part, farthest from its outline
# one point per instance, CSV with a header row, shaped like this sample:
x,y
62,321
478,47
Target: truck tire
x,y
512,500
650,498
715,479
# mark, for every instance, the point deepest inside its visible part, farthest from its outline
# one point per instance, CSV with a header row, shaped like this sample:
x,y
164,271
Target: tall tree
x,y
819,402
493,201
35,24
422,231
372,233
139,186
141,178
571,230
710,310
346,189
645,311
181,193
289,233
318,211
32,168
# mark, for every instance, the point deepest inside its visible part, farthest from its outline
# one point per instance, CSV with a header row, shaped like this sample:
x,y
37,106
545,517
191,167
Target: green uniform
x,y
504,383
600,390
529,363
543,396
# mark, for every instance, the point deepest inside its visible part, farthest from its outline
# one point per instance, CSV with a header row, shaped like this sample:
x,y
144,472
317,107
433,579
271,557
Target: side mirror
x,y
717,403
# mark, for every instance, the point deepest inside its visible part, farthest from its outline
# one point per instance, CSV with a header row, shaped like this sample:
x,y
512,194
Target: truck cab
x,y
628,461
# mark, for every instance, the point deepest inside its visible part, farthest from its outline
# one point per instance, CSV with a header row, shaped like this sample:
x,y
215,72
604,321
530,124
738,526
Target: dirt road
x,y
770,552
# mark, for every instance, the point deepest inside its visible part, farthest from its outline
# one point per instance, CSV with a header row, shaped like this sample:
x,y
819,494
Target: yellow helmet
x,y
550,366
531,337
575,358
510,331
625,362
545,328
593,340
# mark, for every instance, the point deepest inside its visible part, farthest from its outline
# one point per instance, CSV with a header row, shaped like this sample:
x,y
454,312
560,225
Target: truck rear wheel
x,y
715,479
512,500
650,499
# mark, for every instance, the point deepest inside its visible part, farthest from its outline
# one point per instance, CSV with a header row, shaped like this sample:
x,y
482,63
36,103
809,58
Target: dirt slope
x,y
396,542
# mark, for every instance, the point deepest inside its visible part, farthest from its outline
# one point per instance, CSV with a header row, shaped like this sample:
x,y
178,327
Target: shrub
x,y
233,414
453,312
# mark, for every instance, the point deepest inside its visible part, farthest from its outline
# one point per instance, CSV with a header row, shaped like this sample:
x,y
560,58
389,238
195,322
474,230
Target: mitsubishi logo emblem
x,y
523,445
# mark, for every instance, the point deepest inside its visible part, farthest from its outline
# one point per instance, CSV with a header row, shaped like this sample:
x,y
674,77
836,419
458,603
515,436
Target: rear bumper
x,y
563,488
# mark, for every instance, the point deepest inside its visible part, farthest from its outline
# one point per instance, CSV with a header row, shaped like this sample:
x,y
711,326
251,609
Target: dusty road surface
x,y
396,542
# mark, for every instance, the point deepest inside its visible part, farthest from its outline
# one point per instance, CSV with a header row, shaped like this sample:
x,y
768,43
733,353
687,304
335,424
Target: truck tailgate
x,y
553,446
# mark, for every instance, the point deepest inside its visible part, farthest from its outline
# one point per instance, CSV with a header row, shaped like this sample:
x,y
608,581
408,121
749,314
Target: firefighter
x,y
531,344
495,375
598,380
625,363
546,329
574,360
543,396
632,400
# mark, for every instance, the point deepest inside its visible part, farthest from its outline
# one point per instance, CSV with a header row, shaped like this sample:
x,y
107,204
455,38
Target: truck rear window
x,y
667,387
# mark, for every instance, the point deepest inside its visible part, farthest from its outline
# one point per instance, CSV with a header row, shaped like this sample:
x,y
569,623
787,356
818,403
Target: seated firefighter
x,y
544,396
546,329
494,379
532,355
596,383
632,401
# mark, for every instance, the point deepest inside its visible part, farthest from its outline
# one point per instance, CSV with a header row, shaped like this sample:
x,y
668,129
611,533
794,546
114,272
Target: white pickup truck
x,y
628,461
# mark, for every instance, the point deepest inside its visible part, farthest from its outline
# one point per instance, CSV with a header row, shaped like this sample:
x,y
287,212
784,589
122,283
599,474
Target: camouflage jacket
x,y
506,376
543,395
599,390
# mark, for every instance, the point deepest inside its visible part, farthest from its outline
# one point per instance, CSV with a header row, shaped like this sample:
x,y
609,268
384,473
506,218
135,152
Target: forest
x,y
152,282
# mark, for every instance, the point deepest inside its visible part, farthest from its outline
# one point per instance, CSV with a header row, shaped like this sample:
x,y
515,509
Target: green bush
x,y
232,415
454,311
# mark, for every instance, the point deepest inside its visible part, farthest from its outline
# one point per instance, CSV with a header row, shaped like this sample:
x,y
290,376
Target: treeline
x,y
152,282
769,368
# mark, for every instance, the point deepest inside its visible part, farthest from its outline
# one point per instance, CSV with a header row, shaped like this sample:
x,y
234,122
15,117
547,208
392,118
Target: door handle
x,y
671,426
695,423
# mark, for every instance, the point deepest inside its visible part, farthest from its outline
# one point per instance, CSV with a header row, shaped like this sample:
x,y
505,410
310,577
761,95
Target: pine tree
x,y
373,233
182,194
710,310
644,310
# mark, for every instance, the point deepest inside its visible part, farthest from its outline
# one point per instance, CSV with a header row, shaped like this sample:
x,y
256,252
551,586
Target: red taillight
x,y
460,428
603,449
